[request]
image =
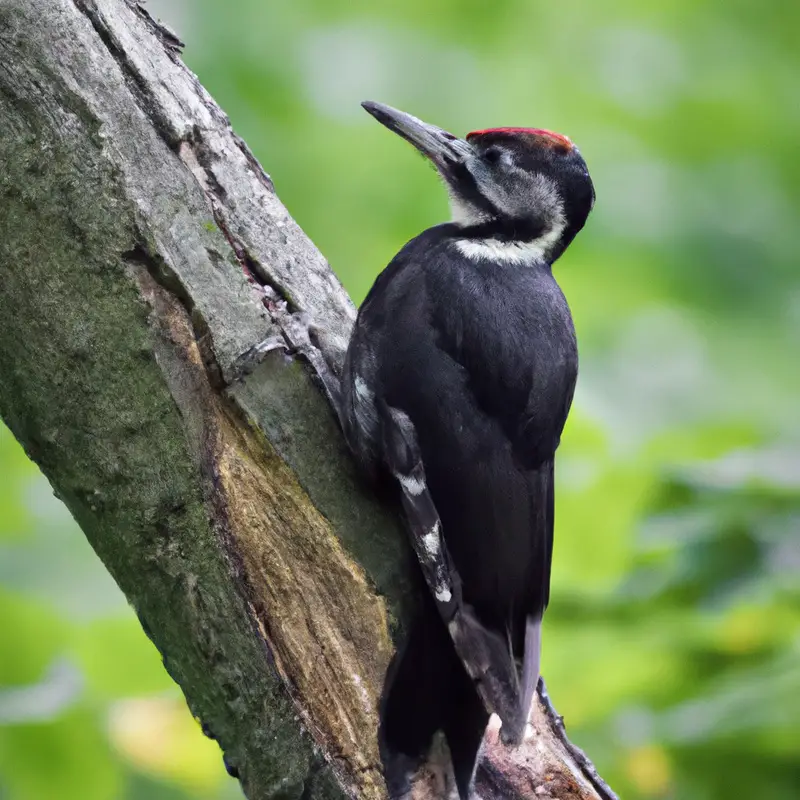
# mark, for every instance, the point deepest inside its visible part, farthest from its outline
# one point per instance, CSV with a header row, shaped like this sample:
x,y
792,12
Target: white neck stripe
x,y
511,252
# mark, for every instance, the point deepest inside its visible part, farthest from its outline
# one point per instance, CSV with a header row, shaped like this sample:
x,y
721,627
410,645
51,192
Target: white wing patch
x,y
363,392
412,485
443,594
366,415
431,541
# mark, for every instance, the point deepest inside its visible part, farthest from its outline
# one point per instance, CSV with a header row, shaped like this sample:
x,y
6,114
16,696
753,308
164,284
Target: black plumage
x,y
482,358
458,381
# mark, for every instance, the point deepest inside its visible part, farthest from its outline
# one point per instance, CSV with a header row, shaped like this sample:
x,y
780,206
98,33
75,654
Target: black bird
x,y
457,382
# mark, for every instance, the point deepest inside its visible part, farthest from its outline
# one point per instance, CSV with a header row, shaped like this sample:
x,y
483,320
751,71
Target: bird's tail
x,y
428,690
531,664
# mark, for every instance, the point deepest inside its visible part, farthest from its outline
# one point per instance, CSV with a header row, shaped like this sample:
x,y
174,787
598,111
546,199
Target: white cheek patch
x,y
542,195
465,214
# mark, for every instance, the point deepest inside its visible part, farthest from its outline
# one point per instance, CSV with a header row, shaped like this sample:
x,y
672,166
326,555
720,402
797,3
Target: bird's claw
x,y
294,339
251,358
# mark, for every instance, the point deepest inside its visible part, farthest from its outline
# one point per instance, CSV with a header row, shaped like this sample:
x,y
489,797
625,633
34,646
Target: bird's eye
x,y
493,155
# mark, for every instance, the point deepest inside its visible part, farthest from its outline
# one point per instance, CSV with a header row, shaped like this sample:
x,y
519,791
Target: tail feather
x,y
489,661
531,664
427,689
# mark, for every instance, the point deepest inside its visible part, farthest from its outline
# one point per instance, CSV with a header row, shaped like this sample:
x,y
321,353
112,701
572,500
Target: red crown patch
x,y
557,139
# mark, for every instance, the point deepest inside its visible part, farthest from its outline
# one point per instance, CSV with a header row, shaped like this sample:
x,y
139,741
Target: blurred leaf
x,y
159,736
33,638
69,759
16,472
119,660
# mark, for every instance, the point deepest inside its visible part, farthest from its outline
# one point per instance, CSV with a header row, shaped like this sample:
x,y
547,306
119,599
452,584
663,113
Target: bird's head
x,y
516,185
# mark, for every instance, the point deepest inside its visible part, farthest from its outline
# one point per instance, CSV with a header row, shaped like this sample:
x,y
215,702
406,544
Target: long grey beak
x,y
441,147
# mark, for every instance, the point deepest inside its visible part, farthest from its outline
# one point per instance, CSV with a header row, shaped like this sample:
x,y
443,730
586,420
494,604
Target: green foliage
x,y
673,637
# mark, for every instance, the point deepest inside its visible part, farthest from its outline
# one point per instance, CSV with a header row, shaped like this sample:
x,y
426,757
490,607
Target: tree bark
x,y
143,253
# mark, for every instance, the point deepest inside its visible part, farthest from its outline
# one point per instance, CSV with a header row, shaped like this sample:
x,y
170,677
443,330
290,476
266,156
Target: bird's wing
x,y
487,461
479,394
484,653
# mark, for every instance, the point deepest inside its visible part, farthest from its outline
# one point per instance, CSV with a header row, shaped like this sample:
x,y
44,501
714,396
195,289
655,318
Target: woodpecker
x,y
457,383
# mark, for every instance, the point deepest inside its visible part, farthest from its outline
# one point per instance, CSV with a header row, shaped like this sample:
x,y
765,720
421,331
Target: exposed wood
x,y
143,254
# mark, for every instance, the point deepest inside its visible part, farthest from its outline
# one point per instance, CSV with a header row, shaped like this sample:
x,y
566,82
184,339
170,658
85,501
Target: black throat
x,y
505,230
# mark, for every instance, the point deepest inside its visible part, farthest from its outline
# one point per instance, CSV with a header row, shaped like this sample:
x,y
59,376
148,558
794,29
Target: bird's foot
x,y
299,330
251,358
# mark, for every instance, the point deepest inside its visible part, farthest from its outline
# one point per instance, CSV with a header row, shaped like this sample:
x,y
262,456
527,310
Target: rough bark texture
x,y
143,252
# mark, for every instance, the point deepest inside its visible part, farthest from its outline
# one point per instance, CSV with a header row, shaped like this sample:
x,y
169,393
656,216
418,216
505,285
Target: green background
x,y
672,645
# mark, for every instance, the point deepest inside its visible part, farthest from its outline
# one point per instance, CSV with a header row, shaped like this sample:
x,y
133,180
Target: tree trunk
x,y
143,253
